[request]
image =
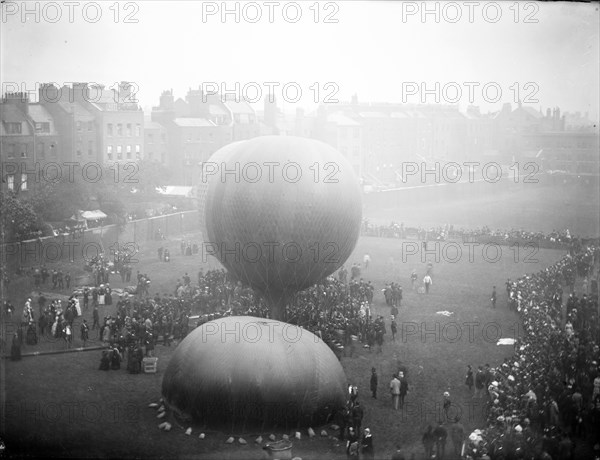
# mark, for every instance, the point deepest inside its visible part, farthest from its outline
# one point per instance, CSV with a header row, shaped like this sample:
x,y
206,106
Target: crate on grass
x,y
150,365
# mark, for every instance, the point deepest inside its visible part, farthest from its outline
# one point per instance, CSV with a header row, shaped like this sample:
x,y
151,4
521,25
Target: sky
x,y
544,54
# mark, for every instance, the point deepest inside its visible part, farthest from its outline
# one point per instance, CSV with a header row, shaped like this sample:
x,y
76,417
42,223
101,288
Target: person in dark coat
x,y
352,442
367,445
374,382
115,359
85,329
469,378
428,442
403,388
15,349
357,416
440,435
104,361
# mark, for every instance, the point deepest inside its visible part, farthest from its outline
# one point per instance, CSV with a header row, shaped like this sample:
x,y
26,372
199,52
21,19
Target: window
x,y
119,129
119,152
40,149
163,137
138,130
23,150
150,155
138,148
53,150
42,127
128,152
109,129
128,129
11,151
109,151
150,138
10,182
13,128
78,126
90,125
90,148
356,133
23,182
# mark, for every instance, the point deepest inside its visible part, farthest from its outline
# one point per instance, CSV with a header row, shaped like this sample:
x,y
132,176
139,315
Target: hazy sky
x,y
379,50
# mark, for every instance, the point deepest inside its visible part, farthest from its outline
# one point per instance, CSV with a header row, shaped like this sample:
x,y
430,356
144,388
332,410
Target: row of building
x,y
85,123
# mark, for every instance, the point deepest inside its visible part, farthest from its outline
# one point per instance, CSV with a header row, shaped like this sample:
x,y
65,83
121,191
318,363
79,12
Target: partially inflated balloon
x,y
281,213
254,372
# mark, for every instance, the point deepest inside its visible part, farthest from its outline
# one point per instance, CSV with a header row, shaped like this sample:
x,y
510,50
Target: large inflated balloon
x,y
257,372
281,213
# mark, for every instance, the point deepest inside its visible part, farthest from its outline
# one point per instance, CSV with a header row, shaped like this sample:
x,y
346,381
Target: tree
x,y
151,175
19,219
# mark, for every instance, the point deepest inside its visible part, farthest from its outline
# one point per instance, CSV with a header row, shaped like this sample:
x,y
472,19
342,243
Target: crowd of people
x,y
541,401
485,233
545,398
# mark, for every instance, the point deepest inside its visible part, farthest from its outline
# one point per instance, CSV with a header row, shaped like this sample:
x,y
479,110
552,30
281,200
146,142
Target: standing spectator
x,y
494,297
440,434
84,332
357,416
457,434
446,404
413,279
403,388
68,280
469,378
352,444
394,328
15,348
395,391
374,381
96,318
428,442
428,282
86,298
43,323
366,261
367,445
68,334
479,382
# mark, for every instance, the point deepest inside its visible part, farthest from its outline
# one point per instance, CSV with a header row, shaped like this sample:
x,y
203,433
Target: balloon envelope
x,y
254,372
281,212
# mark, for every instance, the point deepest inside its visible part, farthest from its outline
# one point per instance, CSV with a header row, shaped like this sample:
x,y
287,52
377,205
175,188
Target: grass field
x,y
61,405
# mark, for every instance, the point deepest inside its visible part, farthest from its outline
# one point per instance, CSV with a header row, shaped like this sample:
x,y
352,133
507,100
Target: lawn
x,y
61,405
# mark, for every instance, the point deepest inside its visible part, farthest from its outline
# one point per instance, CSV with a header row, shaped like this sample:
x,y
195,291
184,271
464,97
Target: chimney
x,y
20,100
166,100
197,106
48,93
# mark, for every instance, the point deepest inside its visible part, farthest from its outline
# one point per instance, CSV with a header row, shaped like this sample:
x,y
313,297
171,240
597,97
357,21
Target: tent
x,y
89,216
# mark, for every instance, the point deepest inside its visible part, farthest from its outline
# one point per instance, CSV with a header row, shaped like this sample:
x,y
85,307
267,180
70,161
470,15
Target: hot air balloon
x,y
281,213
256,372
